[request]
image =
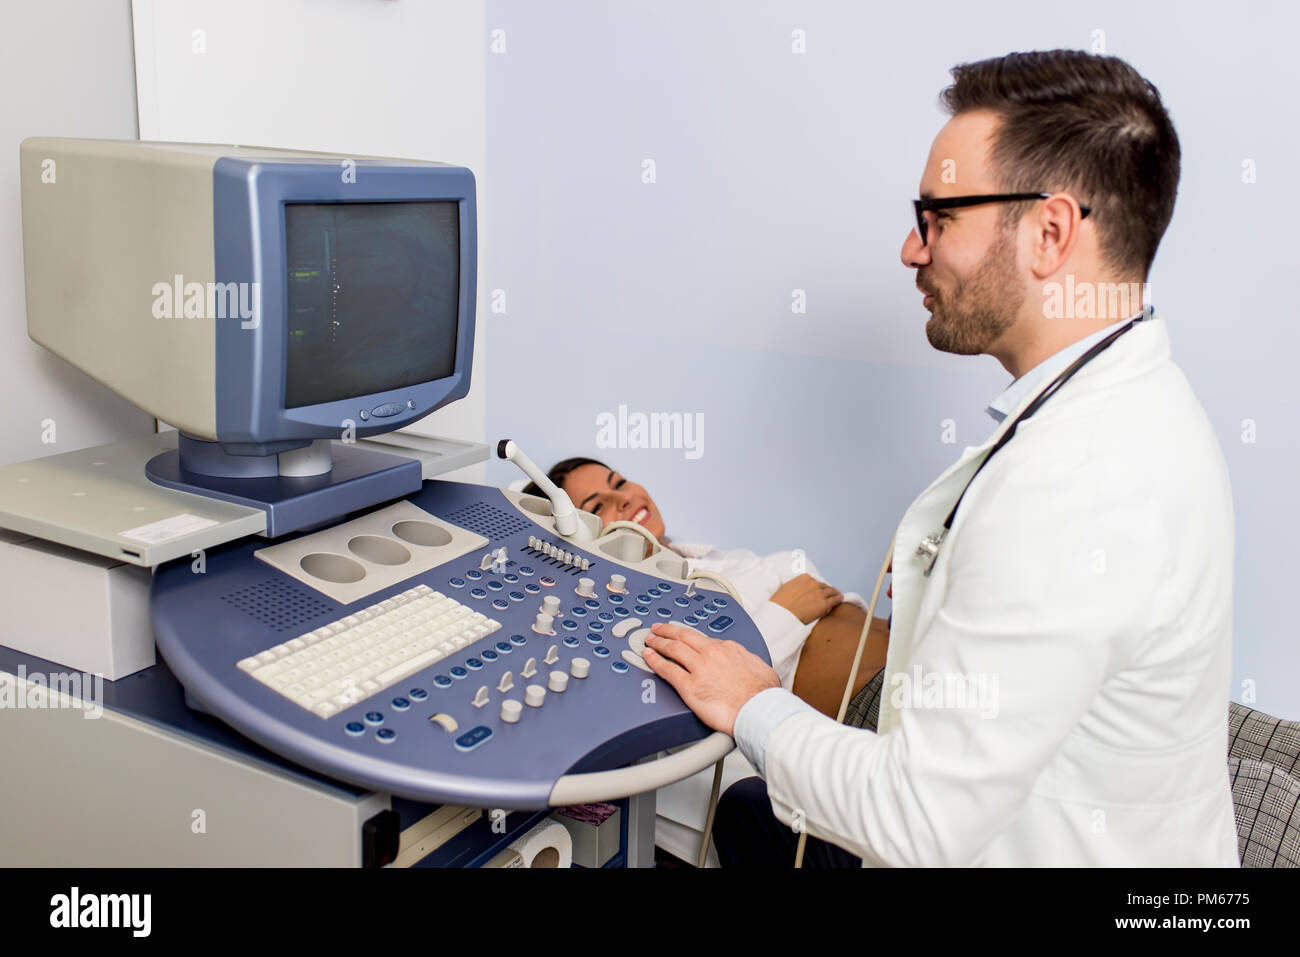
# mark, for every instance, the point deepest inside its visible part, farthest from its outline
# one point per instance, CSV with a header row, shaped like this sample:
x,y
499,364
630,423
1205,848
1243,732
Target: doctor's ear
x,y
1055,226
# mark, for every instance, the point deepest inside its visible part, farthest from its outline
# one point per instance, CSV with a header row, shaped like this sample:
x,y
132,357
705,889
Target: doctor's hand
x,y
807,598
715,678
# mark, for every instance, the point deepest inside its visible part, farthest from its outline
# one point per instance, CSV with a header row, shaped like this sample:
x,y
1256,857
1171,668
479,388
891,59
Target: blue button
x,y
622,612
417,694
711,606
441,681
473,574
720,624
459,672
616,599
500,603
570,641
620,667
569,624
595,639
702,615
518,640
641,609
600,651
516,596
532,588
592,603
654,592
386,735
488,654
681,602
577,611
401,704
495,585
526,570
511,577
477,593
547,580
354,728
643,599
456,582
664,587
374,717
596,625
663,613
473,664
691,620
605,616
505,647
472,738
721,602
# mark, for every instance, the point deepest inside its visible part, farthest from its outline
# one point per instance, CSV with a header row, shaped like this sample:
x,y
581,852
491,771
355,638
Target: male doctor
x,y
1056,687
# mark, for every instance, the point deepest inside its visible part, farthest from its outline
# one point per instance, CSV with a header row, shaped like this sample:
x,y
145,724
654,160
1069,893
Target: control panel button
x,y
550,606
600,651
511,710
534,695
473,574
586,587
552,655
618,668
506,683
458,672
441,681
542,624
456,582
472,738
547,581
595,639
401,704
386,735
532,588
623,627
417,694
720,624
481,697
374,717
617,584
579,667
571,641
354,728
633,659
526,570
557,681
446,720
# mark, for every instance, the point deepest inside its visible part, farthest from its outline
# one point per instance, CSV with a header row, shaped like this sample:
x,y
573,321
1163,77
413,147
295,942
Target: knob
x,y
551,606
510,710
534,695
543,624
586,587
558,681
617,583
579,667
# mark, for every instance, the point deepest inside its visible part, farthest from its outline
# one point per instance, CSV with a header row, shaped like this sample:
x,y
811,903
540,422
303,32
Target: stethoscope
x,y
928,550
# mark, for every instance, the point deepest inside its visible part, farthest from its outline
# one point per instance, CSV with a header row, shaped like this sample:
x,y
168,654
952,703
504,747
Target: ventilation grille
x,y
488,521
280,605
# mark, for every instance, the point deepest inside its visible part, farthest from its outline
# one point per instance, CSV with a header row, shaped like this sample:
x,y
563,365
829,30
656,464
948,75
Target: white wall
x,y
379,77
66,71
777,171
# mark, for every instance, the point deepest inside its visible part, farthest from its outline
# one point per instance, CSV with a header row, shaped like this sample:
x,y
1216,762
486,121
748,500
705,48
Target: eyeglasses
x,y
924,206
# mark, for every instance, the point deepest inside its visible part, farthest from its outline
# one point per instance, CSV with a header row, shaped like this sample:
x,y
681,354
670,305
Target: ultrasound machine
x,y
273,635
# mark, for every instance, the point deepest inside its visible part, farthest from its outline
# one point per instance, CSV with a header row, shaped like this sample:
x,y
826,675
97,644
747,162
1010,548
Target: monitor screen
x,y
373,297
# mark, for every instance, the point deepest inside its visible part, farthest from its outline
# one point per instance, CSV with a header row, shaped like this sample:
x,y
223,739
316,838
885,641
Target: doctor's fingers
x,y
679,651
688,636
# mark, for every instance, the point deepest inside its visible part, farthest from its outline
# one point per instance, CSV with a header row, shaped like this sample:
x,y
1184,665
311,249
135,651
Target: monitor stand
x,y
351,479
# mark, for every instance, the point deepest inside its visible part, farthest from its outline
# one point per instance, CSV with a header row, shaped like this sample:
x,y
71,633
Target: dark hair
x,y
1085,123
560,471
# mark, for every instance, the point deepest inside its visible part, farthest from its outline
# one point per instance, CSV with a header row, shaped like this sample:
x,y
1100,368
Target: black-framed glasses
x,y
924,206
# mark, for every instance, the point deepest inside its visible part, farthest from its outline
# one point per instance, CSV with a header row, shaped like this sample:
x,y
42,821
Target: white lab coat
x,y
757,578
1089,569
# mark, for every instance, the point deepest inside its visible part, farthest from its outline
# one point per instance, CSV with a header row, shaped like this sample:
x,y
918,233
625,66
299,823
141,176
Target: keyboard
x,y
348,660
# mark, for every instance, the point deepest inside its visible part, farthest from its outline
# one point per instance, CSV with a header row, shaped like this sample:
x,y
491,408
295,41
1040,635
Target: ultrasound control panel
x,y
451,647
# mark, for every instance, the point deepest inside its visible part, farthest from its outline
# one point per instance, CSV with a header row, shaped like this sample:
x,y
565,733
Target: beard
x,y
970,317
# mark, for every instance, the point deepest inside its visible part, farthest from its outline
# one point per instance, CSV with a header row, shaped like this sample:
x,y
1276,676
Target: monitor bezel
x,y
249,199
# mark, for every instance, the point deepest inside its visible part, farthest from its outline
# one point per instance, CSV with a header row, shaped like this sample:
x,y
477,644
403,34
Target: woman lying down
x,y
811,629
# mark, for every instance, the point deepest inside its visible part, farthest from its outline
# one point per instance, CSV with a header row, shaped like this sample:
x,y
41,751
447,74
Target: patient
x,y
810,628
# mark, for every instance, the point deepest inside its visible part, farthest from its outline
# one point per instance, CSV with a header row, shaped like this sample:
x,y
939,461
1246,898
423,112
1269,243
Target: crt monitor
x,y
256,299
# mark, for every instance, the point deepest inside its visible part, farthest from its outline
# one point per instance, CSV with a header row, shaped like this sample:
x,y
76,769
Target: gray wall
x,y
66,71
778,171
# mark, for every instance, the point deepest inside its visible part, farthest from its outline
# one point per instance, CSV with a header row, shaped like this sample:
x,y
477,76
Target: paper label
x,y
163,531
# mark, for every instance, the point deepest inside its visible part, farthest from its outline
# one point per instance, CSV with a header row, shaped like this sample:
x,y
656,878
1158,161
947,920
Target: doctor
x,y
1057,681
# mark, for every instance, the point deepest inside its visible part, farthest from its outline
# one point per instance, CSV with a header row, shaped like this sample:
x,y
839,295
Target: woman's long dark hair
x,y
560,471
